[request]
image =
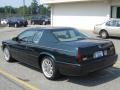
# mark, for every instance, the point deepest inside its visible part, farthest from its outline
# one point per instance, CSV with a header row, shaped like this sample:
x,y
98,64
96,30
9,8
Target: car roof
x,y
51,28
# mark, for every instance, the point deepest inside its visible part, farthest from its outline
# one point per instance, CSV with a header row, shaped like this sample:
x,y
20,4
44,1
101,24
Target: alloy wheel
x,y
47,68
16,25
104,34
6,54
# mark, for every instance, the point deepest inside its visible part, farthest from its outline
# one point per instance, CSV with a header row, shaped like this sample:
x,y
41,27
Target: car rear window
x,y
68,35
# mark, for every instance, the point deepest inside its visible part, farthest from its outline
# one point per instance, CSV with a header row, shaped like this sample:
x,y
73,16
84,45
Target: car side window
x,y
37,37
27,36
118,23
112,23
48,37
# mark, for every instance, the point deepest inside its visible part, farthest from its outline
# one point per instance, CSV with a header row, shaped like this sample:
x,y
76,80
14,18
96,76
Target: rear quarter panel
x,y
61,52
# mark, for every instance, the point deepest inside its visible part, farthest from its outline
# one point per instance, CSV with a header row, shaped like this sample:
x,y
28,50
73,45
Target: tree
x,y
2,10
44,10
34,7
9,10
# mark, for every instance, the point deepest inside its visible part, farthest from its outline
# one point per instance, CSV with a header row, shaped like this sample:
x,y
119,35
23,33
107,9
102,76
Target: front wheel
x,y
49,68
16,25
7,55
104,34
8,25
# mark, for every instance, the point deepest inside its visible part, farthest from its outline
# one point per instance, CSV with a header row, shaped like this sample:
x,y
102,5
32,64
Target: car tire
x,y
44,23
33,23
7,55
16,25
8,25
49,68
103,34
25,25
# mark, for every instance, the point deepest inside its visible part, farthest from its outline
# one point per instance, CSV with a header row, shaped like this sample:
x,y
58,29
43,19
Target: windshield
x,y
69,35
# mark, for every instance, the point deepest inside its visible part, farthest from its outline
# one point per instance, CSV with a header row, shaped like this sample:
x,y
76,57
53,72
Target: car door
x,y
11,22
32,49
19,49
118,29
112,27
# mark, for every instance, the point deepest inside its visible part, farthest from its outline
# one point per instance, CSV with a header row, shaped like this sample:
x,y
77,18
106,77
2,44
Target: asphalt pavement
x,y
6,84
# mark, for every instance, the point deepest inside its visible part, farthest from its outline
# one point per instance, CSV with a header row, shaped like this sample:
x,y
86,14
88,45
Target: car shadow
x,y
96,78
31,67
117,38
90,80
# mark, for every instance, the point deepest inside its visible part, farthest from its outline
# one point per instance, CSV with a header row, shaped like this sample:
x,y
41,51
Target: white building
x,y
82,14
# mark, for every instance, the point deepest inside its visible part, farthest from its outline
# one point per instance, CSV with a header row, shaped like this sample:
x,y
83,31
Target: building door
x,y
115,12
118,12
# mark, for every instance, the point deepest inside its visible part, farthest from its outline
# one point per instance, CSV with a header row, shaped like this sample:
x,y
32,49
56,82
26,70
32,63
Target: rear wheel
x,y
49,68
44,23
33,23
16,25
7,55
103,34
8,25
25,25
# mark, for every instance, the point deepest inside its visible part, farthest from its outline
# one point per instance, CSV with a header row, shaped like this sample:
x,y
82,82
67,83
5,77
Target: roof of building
x,y
65,1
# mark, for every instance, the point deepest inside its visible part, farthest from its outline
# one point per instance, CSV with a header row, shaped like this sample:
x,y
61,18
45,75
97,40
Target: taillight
x,y
78,56
112,50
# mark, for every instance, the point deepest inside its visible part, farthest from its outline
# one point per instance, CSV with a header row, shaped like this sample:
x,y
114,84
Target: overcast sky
x,y
15,3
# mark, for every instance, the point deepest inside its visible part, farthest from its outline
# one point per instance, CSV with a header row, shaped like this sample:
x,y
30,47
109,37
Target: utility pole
x,y
24,8
10,11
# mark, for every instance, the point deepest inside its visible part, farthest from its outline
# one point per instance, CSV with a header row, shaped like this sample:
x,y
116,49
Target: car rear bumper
x,y
87,67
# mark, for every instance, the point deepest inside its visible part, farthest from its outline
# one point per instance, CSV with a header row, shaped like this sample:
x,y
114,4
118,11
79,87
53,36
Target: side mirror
x,y
15,39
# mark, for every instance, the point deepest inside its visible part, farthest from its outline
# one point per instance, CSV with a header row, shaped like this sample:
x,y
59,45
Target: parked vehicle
x,y
17,22
42,20
4,21
60,51
109,28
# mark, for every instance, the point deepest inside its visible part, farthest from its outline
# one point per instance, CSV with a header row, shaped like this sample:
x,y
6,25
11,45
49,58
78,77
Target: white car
x,y
108,28
4,21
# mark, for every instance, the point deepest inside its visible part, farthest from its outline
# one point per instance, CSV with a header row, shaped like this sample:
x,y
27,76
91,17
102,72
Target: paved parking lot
x,y
104,80
6,84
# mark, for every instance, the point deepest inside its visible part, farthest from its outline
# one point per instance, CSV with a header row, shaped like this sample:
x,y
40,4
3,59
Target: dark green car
x,y
60,50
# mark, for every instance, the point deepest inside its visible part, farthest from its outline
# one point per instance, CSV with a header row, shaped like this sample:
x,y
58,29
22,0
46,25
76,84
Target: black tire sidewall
x,y
25,25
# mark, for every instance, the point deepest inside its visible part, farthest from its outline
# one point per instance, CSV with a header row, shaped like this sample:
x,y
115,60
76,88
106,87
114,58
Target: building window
x,y
115,12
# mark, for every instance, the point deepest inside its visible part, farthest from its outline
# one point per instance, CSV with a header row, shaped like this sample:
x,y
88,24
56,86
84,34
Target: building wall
x,y
115,3
82,15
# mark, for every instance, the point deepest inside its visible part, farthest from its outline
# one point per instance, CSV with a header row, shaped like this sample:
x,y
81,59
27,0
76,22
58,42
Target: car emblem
x,y
99,46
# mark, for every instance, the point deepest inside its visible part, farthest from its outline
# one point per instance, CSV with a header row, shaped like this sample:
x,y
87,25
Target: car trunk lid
x,y
90,49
